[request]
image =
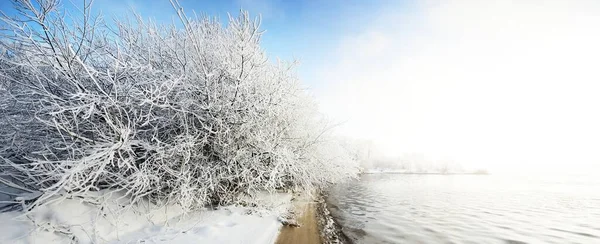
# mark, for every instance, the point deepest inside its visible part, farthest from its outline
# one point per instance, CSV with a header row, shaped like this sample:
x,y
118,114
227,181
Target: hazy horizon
x,y
498,85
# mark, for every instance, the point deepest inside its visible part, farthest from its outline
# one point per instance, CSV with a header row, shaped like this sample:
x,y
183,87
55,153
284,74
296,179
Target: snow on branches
x,y
190,116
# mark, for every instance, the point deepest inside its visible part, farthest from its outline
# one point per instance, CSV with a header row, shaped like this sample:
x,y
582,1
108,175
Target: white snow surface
x,y
379,170
78,221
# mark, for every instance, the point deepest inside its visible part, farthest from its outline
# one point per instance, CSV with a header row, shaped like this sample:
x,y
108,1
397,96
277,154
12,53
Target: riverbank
x,y
282,218
331,231
304,228
314,224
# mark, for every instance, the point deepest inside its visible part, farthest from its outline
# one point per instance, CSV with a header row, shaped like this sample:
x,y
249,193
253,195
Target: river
x,y
404,208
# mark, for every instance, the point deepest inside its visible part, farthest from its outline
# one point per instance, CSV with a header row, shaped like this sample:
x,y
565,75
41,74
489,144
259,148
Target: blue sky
x,y
308,31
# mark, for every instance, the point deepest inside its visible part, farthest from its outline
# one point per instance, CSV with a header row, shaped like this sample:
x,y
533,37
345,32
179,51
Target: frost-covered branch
x,y
179,116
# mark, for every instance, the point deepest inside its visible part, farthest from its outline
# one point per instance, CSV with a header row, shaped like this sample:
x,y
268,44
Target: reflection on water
x,y
397,208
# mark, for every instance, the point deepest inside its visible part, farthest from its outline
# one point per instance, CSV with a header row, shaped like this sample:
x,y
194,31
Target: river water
x,y
402,208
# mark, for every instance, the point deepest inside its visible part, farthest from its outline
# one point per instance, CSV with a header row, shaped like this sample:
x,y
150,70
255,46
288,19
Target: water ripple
x,y
466,209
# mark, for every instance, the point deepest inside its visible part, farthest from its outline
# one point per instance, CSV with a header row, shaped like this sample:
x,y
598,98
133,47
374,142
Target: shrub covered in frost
x,y
189,115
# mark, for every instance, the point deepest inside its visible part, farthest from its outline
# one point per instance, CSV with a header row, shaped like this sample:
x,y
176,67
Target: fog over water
x,y
504,85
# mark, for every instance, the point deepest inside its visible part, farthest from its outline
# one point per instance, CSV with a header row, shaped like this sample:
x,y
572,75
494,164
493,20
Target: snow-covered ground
x,y
78,221
378,170
403,171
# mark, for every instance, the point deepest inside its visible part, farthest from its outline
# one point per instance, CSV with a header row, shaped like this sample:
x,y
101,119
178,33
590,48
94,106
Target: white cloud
x,y
508,84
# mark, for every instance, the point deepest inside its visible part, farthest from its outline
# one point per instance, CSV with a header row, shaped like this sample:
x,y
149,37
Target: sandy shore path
x,y
308,232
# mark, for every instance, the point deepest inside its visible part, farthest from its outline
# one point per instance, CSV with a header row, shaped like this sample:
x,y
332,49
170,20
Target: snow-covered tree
x,y
190,115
